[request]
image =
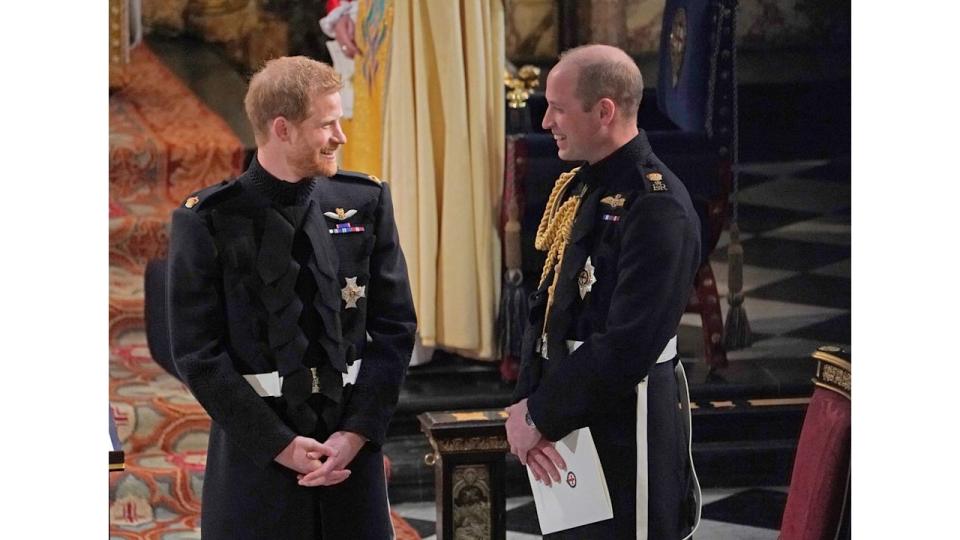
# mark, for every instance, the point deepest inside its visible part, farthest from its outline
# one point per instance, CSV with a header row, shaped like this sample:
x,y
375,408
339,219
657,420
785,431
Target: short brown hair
x,y
606,72
284,87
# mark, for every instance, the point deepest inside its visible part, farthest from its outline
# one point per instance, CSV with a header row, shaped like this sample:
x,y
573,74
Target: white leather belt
x,y
643,473
642,498
669,352
269,384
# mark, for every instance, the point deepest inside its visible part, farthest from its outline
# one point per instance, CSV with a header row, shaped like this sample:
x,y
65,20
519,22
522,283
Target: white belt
x,y
669,352
269,384
643,484
643,487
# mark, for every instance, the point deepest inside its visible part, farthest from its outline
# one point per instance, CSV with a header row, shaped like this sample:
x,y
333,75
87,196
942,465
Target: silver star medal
x,y
586,279
352,292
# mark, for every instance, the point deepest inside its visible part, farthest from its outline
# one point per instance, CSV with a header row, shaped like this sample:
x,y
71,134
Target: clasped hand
x,y
321,464
528,444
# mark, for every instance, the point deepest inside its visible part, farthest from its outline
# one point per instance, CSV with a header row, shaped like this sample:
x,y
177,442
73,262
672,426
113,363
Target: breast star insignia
x,y
586,279
352,292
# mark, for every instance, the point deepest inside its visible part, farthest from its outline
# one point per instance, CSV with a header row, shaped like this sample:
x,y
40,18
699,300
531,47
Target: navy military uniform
x,y
290,314
623,284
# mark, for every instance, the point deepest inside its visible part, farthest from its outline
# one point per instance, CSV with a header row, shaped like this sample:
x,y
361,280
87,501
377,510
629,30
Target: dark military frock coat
x,y
266,276
638,230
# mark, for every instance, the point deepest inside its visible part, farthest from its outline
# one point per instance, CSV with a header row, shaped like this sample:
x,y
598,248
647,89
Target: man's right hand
x,y
344,30
545,462
294,456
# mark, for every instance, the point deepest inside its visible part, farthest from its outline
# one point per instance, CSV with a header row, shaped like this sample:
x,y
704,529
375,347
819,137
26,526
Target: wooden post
x,y
469,448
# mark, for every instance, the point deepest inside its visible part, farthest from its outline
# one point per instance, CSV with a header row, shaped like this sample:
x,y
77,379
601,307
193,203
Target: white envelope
x,y
581,496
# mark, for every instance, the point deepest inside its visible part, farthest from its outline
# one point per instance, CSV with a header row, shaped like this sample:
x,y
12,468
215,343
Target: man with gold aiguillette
x,y
292,323
600,348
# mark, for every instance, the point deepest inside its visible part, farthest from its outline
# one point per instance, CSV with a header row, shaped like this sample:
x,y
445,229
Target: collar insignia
x,y
656,179
340,214
191,202
614,202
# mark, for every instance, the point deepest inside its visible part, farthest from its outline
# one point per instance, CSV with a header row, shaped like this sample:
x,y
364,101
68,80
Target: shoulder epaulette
x,y
653,179
205,195
358,176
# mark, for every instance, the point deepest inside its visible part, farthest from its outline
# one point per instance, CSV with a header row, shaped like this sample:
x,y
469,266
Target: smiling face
x,y
315,140
574,129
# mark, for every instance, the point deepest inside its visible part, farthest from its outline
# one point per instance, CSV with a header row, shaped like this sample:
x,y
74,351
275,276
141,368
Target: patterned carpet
x,y
164,144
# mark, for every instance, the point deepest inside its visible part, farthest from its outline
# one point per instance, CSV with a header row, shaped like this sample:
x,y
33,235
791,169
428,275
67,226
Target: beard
x,y
307,162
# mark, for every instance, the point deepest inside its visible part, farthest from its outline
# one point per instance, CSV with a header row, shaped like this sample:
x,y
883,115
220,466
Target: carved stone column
x,y
468,459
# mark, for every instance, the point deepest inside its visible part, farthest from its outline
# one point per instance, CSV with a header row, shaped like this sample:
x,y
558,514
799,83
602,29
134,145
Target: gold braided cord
x,y
559,234
565,217
553,234
545,233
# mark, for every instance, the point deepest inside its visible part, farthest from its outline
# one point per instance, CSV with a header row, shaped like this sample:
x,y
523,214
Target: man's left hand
x,y
545,462
521,436
347,444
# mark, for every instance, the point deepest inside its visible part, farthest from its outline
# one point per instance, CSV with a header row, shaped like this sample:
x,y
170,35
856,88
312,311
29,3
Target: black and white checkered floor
x,y
728,514
795,229
795,223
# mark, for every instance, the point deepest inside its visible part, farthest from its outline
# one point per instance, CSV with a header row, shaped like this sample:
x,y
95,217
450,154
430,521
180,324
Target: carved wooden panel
x,y
472,517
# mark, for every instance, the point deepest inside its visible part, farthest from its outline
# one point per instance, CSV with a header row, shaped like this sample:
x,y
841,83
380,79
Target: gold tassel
x,y
737,333
546,228
513,298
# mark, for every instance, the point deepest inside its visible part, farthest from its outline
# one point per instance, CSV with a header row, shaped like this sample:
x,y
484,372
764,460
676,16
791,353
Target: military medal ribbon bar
x,y
344,228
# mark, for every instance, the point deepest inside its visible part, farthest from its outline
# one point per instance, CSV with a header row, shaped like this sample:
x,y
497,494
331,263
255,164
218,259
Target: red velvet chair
x,y
818,504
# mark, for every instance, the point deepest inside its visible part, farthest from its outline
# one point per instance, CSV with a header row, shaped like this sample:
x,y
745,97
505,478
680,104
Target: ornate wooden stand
x,y
469,448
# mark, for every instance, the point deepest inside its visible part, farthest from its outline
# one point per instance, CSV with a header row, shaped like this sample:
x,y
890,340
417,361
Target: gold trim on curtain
x,y
365,129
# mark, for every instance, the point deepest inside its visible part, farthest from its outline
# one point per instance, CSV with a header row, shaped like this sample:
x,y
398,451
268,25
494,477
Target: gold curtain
x,y
365,130
443,138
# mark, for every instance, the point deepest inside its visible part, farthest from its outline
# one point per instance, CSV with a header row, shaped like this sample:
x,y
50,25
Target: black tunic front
x,y
256,285
637,236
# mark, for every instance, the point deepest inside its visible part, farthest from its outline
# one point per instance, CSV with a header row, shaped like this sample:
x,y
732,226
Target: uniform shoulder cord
x,y
553,234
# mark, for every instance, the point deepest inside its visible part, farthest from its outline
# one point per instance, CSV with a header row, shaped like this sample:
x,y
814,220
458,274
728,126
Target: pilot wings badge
x,y
340,214
615,201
